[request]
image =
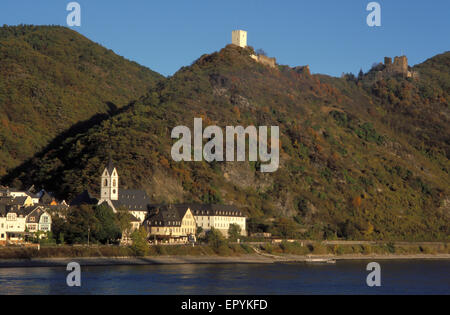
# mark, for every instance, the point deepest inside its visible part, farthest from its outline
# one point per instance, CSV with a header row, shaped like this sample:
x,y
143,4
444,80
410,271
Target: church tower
x,y
109,183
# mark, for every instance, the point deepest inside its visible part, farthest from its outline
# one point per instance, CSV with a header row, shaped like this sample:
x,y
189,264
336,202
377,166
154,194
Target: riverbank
x,y
174,260
227,253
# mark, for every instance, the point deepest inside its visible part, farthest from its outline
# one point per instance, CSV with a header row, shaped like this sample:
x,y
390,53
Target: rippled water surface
x,y
345,277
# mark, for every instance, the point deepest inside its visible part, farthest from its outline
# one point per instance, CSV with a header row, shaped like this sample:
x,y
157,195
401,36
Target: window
x,y
114,183
106,183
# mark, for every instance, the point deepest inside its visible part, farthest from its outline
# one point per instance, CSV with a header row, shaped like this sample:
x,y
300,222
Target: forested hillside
x,y
51,78
359,159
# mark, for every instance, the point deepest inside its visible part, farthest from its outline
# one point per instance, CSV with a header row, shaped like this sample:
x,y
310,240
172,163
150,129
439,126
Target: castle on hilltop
x,y
239,38
399,66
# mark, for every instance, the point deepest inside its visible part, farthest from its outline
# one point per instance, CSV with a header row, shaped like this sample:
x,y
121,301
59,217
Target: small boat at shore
x,y
320,260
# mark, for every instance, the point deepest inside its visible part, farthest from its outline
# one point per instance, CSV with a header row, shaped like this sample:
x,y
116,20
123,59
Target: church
x,y
135,201
168,223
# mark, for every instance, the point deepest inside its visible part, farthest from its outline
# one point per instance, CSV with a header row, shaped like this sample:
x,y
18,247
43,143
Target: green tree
x,y
107,229
81,224
140,245
360,75
59,227
123,221
198,231
234,232
61,238
215,239
285,228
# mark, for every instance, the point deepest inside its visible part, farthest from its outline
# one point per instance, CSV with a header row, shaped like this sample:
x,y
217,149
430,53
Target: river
x,y
344,277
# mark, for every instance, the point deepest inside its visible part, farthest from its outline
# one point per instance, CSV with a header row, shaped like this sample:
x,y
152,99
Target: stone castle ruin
x,y
239,38
399,66
302,69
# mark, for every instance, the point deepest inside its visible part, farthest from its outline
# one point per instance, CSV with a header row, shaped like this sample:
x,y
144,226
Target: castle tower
x,y
239,38
387,61
109,183
402,64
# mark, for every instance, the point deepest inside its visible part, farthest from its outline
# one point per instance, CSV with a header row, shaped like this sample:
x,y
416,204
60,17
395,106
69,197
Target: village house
x,y
16,224
29,198
170,224
12,227
20,217
37,219
219,217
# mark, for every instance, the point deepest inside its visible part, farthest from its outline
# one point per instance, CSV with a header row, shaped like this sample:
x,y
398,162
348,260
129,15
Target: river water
x,y
344,277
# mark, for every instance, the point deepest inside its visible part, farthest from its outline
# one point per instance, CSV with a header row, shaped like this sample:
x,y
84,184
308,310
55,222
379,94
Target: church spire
x,y
109,182
110,164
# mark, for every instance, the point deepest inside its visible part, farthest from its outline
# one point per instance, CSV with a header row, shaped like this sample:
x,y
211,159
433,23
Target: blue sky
x,y
331,36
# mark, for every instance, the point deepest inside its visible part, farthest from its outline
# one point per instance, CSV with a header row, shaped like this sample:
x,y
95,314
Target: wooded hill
x,y
359,159
51,78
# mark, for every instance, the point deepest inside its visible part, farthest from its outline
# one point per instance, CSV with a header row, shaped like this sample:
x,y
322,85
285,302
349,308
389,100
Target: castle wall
x,y
267,61
302,69
271,62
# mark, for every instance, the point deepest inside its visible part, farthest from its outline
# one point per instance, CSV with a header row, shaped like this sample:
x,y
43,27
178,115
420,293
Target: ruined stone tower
x,y
401,63
387,61
239,38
